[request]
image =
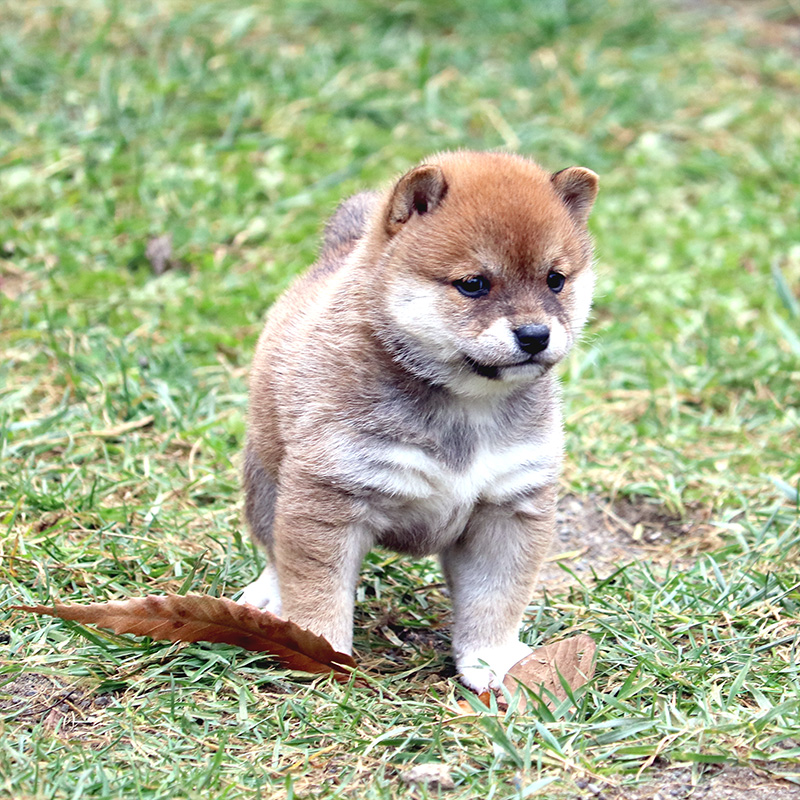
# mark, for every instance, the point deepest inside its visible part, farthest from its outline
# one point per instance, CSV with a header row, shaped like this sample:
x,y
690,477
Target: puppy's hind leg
x,y
319,545
260,496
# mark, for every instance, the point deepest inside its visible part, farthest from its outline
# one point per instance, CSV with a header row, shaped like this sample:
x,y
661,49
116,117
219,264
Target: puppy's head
x,y
486,268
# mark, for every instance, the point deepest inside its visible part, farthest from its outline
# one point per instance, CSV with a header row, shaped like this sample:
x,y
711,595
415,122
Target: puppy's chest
x,y
418,500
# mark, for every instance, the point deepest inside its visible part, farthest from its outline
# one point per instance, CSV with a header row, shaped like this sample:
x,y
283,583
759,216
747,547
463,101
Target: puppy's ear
x,y
577,187
417,192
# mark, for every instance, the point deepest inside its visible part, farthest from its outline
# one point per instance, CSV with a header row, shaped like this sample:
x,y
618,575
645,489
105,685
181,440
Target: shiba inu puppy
x,y
402,394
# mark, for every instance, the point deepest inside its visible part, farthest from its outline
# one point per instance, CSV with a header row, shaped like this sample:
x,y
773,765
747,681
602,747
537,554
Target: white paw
x,y
264,592
497,661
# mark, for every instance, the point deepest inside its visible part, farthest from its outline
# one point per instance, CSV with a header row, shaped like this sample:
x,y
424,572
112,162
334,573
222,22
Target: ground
x,y
166,168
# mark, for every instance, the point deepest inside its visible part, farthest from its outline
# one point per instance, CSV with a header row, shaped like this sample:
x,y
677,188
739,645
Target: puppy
x,y
402,394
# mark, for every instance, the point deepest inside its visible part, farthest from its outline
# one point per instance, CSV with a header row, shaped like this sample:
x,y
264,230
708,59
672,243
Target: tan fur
x,y
388,408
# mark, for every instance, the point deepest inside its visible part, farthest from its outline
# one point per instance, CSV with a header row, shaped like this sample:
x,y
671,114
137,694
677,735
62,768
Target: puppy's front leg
x,y
318,550
491,572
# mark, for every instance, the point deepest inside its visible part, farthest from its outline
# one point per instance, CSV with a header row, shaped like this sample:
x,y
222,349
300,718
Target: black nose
x,y
533,338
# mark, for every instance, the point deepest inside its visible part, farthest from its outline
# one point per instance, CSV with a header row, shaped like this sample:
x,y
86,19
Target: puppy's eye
x,y
474,286
555,280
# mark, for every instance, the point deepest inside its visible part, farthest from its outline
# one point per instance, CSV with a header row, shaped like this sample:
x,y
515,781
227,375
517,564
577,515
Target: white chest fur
x,y
408,489
492,475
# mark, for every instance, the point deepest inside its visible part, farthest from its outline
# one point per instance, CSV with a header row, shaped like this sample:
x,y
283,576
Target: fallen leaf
x,y
201,618
433,775
572,659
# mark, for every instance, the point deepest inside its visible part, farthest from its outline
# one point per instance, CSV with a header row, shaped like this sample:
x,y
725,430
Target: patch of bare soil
x,y
594,535
728,782
68,711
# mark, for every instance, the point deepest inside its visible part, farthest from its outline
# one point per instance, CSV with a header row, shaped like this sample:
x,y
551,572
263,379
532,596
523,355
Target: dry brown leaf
x,y
201,618
571,658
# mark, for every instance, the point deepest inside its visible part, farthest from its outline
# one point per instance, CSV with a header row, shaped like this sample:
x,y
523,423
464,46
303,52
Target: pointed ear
x,y
417,192
577,187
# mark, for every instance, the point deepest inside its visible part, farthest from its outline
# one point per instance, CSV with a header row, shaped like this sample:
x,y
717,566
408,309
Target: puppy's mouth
x,y
492,371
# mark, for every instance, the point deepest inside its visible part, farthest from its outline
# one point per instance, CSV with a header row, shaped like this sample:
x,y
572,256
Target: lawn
x,y
165,169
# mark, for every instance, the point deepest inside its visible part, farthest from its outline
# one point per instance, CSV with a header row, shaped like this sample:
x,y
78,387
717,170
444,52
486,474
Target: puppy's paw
x,y
264,592
497,661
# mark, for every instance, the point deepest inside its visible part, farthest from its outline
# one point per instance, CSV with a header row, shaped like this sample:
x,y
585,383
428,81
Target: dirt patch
x,y
67,711
728,782
594,535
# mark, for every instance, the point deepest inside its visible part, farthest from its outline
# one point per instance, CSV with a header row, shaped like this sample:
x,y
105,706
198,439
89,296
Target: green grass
x,y
236,129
